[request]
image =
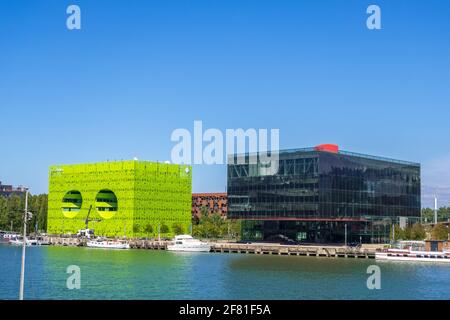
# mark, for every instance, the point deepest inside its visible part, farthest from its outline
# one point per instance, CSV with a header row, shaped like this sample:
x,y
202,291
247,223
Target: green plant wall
x,y
148,194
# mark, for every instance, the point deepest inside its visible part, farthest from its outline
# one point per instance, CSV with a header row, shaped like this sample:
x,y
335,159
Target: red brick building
x,y
214,202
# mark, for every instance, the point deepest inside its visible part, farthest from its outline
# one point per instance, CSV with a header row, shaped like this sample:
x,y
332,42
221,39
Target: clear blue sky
x,y
137,70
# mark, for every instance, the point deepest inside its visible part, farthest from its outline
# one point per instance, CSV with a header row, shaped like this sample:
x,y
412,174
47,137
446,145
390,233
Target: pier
x,y
297,250
330,251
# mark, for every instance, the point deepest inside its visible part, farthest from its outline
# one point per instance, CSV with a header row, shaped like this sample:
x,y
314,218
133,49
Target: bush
x,y
148,229
177,228
136,228
214,227
417,232
164,228
439,232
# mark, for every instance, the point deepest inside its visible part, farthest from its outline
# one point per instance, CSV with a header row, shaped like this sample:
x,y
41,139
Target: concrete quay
x,y
309,250
363,252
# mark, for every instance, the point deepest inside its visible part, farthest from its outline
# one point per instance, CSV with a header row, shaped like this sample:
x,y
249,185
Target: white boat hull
x,y
28,243
185,243
414,256
107,245
205,248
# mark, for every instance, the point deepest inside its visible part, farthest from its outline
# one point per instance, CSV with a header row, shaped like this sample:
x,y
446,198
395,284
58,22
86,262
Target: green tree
x,y
12,209
164,228
148,229
398,234
204,211
427,215
136,229
417,232
3,214
443,214
13,212
177,228
215,226
440,232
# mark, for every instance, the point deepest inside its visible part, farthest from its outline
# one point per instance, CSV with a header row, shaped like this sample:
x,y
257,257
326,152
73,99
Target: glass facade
x,y
319,196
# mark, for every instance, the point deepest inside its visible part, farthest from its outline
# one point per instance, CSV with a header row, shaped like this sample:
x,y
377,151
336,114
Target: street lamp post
x,y
22,269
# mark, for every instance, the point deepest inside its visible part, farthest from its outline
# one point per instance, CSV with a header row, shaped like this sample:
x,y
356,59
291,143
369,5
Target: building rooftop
x,y
335,149
332,148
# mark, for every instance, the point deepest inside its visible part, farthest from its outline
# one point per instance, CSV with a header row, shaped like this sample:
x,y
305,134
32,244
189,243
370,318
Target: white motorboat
x,y
412,255
185,242
412,251
7,236
108,244
18,241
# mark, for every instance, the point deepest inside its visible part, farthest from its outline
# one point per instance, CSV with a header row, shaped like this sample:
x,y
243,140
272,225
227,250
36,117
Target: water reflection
x,y
147,274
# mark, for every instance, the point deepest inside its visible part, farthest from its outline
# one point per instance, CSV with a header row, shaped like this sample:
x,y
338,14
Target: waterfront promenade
x,y
335,251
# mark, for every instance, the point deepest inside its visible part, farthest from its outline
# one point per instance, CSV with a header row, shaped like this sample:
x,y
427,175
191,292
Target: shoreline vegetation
x,y
206,226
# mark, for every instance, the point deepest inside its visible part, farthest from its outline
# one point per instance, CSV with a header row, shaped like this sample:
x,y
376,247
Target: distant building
x,y
323,194
8,190
123,198
213,202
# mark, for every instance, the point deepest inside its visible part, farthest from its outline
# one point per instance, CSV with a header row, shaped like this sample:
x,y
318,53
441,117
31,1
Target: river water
x,y
148,274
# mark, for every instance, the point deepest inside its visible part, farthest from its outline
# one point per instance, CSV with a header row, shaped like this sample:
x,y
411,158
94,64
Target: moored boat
x,y
18,241
413,251
5,237
107,244
188,243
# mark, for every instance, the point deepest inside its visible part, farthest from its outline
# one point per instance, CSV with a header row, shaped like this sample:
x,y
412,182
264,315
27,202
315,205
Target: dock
x,y
308,250
296,250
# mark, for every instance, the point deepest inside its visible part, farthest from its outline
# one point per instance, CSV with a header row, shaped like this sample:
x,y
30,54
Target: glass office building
x,y
323,195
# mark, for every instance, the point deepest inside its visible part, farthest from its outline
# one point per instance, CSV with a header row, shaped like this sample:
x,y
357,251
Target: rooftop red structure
x,y
327,147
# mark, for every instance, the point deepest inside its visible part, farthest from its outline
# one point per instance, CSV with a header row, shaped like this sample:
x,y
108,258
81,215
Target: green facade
x,y
127,198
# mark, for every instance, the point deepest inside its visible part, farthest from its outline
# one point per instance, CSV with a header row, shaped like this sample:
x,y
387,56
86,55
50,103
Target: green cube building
x,y
122,198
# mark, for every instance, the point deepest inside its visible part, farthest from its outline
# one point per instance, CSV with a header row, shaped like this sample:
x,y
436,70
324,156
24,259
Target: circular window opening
x,y
106,203
71,203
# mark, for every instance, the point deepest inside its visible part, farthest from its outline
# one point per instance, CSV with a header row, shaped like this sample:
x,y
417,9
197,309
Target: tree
x,y
148,229
427,214
398,234
215,226
12,208
204,211
177,228
136,229
417,232
439,232
234,228
164,228
443,214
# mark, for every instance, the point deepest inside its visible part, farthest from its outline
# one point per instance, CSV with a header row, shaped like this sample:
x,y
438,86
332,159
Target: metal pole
x,y
345,234
435,209
393,233
22,270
